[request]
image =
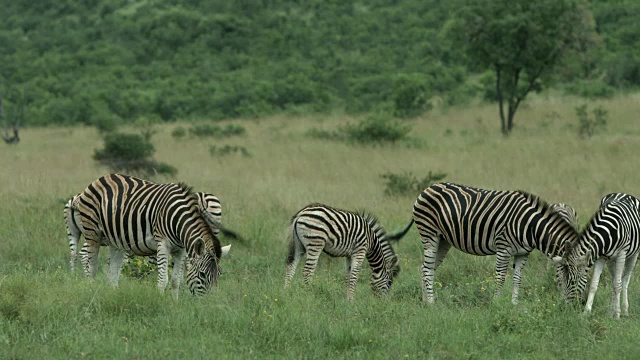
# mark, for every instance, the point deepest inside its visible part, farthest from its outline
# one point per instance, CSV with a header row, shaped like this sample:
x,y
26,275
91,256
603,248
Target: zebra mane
x,y
186,188
373,221
547,209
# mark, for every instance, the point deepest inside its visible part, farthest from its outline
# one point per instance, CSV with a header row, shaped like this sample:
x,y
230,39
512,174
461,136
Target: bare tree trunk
x,y
503,123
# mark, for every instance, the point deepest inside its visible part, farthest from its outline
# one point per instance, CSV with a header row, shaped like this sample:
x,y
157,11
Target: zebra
x,y
342,233
209,204
612,237
486,222
143,218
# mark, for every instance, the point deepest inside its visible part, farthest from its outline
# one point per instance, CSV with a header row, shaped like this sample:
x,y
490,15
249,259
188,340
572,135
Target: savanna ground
x,y
45,312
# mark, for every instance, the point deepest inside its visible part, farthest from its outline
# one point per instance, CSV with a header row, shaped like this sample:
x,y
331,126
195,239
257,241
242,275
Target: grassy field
x,y
45,312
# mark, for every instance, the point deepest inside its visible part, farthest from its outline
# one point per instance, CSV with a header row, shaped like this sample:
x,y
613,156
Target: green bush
x,y
227,150
208,130
589,125
377,128
131,153
590,89
410,95
179,132
408,184
323,134
137,267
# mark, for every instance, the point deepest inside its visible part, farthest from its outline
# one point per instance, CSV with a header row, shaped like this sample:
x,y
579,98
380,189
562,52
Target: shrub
x,y
228,149
137,267
410,95
407,184
208,130
131,153
590,89
105,123
323,134
587,126
179,132
378,128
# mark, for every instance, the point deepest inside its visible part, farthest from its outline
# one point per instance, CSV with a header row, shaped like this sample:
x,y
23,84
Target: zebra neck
x,y
550,239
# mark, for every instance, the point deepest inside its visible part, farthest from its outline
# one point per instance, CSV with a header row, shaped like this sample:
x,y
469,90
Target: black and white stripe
x,y
340,233
484,222
138,217
567,213
612,237
209,204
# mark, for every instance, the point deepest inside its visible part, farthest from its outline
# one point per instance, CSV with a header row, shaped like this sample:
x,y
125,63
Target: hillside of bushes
x,y
90,62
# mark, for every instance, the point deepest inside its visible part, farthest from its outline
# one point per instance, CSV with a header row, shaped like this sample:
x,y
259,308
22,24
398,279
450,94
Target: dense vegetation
x,y
97,62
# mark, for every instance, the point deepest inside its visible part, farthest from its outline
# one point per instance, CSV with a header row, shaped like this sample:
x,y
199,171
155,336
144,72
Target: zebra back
x,y
471,219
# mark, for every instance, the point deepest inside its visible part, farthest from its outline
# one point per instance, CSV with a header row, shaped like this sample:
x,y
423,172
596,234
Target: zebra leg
x,y
176,276
348,259
430,245
595,279
502,264
296,250
116,260
518,264
616,282
443,248
313,253
357,259
90,258
626,277
163,265
73,235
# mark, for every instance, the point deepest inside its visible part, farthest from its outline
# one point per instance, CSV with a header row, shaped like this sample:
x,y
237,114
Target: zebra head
x,y
382,279
203,269
571,272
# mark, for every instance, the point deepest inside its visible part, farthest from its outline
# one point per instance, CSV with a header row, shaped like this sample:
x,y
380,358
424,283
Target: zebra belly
x,y
472,246
137,245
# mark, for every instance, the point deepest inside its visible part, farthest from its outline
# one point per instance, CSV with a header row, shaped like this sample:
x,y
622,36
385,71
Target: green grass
x,y
46,312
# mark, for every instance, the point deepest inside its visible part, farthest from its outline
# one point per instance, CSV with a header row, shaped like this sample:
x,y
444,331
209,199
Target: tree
x,y
521,41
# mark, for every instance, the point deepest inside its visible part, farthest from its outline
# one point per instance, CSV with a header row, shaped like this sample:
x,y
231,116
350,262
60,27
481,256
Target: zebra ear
x,y
225,251
198,247
558,260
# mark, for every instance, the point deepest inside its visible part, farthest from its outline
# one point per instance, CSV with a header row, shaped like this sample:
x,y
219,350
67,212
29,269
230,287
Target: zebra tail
x,y
231,234
397,236
294,242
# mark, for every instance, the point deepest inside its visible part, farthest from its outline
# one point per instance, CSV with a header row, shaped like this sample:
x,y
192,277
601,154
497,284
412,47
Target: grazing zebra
x,y
142,218
483,222
342,233
612,237
209,204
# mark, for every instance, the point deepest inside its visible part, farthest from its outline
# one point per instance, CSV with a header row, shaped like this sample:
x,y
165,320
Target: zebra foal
x,y
485,222
340,233
612,237
139,217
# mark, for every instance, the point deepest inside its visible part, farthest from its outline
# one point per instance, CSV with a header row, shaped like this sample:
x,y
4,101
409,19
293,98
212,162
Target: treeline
x,y
96,61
